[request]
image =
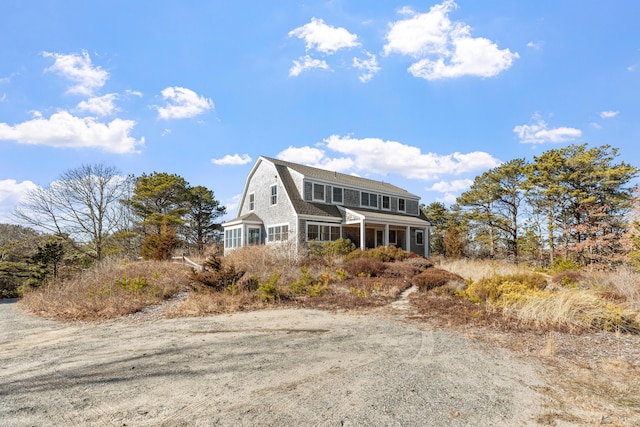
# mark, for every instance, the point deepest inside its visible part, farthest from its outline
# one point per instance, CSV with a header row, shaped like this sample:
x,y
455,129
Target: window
x,y
252,201
419,237
323,233
386,203
368,199
274,194
318,192
337,195
402,205
233,238
393,237
278,233
254,236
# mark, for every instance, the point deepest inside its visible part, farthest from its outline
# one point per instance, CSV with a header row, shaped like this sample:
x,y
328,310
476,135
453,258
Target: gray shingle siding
x,y
351,198
412,207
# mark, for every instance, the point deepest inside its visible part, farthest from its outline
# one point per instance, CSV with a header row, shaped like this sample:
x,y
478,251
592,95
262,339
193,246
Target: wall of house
x,y
260,184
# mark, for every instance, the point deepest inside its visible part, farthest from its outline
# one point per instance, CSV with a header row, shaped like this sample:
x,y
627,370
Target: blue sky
x,y
423,94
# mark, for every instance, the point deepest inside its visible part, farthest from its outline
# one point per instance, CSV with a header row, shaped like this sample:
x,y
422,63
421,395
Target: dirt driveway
x,y
279,367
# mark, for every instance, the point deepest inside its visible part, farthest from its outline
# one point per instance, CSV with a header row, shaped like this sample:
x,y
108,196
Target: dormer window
x,y
386,202
402,205
337,195
369,200
318,192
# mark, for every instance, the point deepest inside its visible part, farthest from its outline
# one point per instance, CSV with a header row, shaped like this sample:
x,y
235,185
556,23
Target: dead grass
x,y
108,291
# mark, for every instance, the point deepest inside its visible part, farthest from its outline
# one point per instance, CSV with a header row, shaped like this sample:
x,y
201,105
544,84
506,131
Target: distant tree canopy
x,y
572,200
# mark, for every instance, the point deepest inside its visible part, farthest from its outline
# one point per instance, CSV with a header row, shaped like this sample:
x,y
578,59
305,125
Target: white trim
x,y
271,195
422,233
313,192
320,224
405,204
252,208
249,228
388,208
267,241
341,202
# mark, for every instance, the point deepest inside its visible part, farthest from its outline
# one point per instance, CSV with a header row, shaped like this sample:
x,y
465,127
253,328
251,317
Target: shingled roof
x,y
341,178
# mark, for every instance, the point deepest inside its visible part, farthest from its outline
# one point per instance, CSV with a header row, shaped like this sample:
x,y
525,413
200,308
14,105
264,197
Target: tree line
x,y
93,211
570,203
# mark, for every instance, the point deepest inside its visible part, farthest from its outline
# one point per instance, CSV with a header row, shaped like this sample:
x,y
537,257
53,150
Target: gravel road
x,y
277,367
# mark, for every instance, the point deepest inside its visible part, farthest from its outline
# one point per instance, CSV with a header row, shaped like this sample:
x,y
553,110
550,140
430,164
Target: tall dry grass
x,y
112,289
477,269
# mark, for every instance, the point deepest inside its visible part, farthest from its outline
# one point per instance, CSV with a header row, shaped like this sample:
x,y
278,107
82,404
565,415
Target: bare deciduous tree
x,y
82,206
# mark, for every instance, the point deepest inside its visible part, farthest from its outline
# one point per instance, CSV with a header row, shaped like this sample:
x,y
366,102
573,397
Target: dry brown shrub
x,y
207,302
365,267
436,277
568,278
263,260
107,291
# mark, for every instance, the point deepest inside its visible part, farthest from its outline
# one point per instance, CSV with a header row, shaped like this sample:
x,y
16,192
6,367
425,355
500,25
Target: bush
x,y
505,290
434,278
133,285
268,290
337,247
216,275
371,267
568,278
382,253
564,264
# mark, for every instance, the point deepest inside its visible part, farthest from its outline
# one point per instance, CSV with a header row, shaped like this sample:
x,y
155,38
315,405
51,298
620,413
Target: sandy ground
x,y
278,367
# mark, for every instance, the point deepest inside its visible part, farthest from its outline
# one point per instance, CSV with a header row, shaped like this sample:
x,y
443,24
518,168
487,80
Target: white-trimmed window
x,y
369,200
402,205
318,192
338,195
386,202
420,237
274,194
233,238
278,233
253,236
252,202
323,232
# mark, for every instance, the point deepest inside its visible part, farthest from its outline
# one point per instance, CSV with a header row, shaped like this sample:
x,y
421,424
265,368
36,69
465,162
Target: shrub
x,y
342,274
564,264
371,267
133,285
382,253
505,290
216,275
434,278
160,247
568,278
268,290
307,285
334,248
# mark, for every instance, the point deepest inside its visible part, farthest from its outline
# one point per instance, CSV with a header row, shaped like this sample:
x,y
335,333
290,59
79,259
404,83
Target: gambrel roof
x,y
342,178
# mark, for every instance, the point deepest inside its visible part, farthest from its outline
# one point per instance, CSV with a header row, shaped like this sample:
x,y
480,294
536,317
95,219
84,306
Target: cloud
x,y
232,160
536,45
595,125
182,103
99,105
307,63
324,38
442,48
78,69
451,186
12,193
609,114
539,133
387,157
63,130
368,67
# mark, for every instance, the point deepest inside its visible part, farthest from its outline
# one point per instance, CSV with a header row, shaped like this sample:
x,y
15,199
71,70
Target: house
x,y
289,202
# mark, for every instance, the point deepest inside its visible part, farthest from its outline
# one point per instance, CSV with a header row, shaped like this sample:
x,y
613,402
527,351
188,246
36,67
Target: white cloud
x,y
454,186
166,132
4,80
304,155
539,133
78,69
3,97
232,206
63,130
12,193
324,38
387,157
234,159
609,114
307,63
368,67
595,125
99,105
182,103
444,49
536,45
632,68
133,92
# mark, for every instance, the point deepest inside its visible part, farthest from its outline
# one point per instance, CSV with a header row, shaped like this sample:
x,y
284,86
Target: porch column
x,y
407,239
362,235
386,234
427,242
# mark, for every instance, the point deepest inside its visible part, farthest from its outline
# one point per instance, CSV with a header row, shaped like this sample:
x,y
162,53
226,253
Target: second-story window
x,y
274,195
368,199
401,205
337,195
252,201
386,203
318,192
